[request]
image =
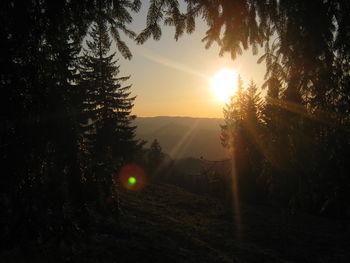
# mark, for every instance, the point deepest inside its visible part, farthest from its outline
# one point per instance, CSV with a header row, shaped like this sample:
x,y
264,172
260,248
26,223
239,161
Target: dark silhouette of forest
x,y
67,127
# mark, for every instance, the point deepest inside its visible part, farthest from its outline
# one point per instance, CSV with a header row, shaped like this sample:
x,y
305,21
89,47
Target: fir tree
x,y
241,134
155,157
108,129
233,118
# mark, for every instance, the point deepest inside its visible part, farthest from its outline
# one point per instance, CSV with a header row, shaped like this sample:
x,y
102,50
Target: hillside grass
x,y
164,223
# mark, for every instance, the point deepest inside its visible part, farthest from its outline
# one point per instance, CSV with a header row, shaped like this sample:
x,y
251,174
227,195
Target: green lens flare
x,y
132,180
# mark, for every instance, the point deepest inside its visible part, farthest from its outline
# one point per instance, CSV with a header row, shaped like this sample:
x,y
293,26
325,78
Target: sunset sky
x,y
172,78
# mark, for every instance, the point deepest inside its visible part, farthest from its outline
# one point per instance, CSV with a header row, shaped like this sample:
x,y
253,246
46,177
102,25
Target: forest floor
x,y
164,223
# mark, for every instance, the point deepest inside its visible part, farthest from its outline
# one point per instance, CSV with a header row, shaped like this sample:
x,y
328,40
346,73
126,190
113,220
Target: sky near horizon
x,y
172,78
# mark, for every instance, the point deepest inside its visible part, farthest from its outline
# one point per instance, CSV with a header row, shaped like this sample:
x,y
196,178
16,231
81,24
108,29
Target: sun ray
x,y
169,63
184,139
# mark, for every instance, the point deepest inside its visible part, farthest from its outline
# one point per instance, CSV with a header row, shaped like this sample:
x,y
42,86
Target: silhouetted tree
x,y
107,108
155,158
241,134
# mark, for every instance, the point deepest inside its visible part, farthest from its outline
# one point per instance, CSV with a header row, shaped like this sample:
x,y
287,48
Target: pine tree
x,y
108,129
251,185
233,118
155,157
241,134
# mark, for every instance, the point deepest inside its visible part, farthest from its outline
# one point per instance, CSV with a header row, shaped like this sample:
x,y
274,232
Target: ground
x,y
164,223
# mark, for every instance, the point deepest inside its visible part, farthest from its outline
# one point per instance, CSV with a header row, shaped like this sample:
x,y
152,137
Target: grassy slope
x,y
164,223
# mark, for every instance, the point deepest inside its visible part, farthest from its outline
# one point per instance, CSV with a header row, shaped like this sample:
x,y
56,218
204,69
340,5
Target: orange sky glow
x,y
173,78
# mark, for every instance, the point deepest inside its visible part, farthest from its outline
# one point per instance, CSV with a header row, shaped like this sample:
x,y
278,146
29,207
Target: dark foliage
x,y
44,156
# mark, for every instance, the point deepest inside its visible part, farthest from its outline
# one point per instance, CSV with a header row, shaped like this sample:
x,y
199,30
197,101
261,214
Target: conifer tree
x,y
108,130
241,134
252,128
233,118
155,157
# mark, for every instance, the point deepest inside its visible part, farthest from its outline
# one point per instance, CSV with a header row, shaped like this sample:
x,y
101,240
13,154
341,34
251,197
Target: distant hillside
x,y
183,137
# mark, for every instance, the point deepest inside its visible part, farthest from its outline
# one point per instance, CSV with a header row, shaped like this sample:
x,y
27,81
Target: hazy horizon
x,y
178,116
183,137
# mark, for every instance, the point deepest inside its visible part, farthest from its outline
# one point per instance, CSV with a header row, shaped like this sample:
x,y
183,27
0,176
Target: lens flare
x,y
132,180
132,177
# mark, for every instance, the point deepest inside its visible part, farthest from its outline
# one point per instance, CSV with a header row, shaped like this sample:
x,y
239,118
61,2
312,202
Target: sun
x,y
224,84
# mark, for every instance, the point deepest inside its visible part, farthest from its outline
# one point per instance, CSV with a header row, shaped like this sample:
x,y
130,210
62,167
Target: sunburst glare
x,y
224,84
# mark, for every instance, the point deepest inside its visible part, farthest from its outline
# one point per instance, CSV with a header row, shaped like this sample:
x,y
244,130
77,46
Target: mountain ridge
x,y
183,137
